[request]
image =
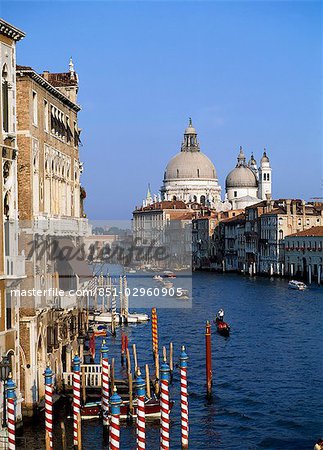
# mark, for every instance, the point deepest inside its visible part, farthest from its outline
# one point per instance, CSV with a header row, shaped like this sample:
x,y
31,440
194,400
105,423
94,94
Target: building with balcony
x,y
303,254
12,268
52,224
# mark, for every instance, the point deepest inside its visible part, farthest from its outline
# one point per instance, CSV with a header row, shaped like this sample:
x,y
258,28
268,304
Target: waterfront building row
x,y
254,240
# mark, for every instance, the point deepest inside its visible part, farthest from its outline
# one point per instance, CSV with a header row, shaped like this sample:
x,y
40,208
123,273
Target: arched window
x,y
174,197
198,173
177,173
194,198
202,200
5,99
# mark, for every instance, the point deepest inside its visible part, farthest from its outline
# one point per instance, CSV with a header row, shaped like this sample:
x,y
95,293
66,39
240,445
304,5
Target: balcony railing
x,y
91,376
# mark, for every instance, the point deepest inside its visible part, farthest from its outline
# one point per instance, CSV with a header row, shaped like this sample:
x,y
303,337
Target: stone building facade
x,y
12,268
51,217
165,224
303,254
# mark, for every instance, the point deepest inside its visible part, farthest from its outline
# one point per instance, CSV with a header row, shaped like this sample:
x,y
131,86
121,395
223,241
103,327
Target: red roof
x,y
314,231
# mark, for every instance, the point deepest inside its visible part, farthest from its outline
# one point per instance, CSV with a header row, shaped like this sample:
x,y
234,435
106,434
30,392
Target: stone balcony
x,y
61,226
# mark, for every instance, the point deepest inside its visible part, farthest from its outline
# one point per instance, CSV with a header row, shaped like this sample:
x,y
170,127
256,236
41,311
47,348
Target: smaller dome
x,y
264,158
252,161
241,176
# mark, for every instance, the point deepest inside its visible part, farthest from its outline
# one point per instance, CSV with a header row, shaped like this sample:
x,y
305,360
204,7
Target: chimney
x,y
303,208
46,74
288,210
294,208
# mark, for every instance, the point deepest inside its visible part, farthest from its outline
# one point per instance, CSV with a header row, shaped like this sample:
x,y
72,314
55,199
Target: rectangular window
x,y
69,133
8,311
35,109
235,193
76,135
5,107
46,116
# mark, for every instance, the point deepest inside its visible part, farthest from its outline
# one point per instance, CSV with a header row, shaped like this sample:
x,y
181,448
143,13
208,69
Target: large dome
x,y
241,176
190,165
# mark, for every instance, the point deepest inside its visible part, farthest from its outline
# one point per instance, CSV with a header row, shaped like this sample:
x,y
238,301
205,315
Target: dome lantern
x,y
190,143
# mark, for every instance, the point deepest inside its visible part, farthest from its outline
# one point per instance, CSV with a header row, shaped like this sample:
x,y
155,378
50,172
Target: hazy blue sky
x,y
249,73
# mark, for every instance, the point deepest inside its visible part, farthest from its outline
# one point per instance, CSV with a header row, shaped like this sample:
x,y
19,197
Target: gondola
x,y
222,327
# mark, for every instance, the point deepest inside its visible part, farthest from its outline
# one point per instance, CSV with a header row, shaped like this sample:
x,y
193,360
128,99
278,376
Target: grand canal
x,y
267,375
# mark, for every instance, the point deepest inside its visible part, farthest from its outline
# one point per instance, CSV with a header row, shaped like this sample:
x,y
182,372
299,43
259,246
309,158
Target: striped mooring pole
x,y
208,359
115,403
105,386
164,406
141,416
48,374
184,398
154,331
76,401
11,396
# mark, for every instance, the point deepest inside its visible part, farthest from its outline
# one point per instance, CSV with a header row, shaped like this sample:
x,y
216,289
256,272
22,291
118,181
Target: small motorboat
x,y
222,327
99,330
169,274
157,278
183,294
298,285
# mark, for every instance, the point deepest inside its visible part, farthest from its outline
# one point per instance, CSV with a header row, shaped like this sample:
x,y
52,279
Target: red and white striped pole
x,y
154,331
114,438
105,385
164,406
48,374
141,416
11,396
76,400
184,398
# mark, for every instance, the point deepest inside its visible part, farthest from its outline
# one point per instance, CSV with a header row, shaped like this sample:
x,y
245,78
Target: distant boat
x,y
131,271
157,278
222,327
169,274
107,318
183,294
298,285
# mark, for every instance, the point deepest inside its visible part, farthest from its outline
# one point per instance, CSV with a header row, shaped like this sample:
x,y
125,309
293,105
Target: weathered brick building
x,y
51,214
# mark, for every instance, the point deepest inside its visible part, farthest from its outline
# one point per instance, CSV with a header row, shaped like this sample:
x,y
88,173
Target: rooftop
x,y
10,31
314,231
47,84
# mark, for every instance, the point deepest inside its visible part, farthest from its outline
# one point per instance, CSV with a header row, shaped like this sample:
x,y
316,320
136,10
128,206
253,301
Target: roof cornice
x,y
10,31
42,82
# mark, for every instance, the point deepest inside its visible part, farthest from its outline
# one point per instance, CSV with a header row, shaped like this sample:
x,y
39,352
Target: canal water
x,y
267,376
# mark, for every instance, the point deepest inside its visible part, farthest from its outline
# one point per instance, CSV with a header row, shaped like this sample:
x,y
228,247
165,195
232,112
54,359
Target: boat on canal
x,y
106,318
298,285
222,327
92,410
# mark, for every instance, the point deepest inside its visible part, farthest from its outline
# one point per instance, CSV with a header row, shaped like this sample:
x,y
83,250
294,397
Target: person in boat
x,y
220,314
319,445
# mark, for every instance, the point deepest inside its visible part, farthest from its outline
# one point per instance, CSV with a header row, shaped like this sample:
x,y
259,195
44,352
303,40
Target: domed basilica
x,y
190,176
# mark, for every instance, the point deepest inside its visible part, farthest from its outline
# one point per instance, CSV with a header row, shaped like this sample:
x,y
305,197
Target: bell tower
x,y
264,177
